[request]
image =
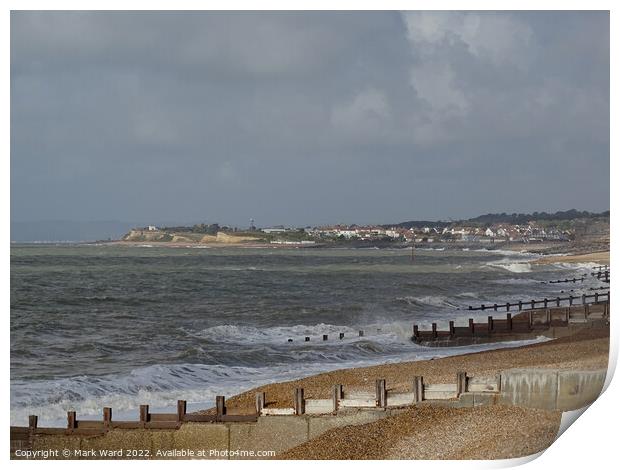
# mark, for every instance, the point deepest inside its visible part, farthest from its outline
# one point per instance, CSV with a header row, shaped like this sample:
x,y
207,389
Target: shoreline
x,y
591,348
549,253
601,257
491,361
441,433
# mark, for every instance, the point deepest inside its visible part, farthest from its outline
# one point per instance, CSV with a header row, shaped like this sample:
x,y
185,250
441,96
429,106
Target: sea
x,y
96,325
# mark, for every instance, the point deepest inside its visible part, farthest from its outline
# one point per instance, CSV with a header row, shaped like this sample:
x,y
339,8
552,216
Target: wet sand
x,y
601,257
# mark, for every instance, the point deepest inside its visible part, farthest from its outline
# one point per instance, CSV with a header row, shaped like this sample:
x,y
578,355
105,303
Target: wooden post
x,y
416,332
144,413
461,383
495,307
32,422
380,393
451,323
548,316
529,319
489,324
586,311
508,306
509,322
220,406
71,420
434,327
418,389
520,305
583,299
324,337
181,410
260,402
107,417
557,302
300,403
570,300
567,314
546,302
337,395
533,304
471,326
596,297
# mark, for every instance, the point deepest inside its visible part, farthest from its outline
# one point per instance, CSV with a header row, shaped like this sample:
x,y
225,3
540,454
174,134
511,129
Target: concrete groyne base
x,y
543,389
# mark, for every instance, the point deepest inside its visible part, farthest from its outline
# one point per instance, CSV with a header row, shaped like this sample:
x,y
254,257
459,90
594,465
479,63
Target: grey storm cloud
x,y
307,118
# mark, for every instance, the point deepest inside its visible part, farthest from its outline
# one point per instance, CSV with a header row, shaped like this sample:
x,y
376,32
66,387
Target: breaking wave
x,y
162,385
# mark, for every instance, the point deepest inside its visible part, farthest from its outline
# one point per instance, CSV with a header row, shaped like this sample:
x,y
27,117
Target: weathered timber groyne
x,y
553,322
546,302
220,435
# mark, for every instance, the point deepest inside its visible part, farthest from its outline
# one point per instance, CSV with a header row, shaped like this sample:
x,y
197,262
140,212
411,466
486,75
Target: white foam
x,y
271,335
433,300
576,266
509,253
510,264
516,281
161,386
472,295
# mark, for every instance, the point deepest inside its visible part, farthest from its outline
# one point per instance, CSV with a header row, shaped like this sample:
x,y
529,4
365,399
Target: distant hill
x,y
420,224
525,218
504,218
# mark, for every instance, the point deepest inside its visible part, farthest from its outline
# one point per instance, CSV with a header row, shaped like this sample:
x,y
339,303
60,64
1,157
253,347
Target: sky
x,y
307,118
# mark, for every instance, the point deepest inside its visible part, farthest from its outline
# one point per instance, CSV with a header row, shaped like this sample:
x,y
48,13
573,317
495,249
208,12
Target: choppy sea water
x,y
95,326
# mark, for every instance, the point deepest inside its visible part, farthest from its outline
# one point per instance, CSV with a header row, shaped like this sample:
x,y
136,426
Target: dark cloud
x,y
307,117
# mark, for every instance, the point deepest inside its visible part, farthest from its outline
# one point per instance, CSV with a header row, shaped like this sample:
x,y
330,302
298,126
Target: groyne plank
x,y
357,403
483,384
315,406
400,399
440,391
277,411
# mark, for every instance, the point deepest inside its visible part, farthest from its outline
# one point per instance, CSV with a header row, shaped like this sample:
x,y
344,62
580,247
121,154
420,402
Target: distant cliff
x,y
139,235
135,235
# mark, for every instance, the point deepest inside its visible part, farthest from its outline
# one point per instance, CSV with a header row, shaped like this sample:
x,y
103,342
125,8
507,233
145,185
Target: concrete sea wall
x,y
551,389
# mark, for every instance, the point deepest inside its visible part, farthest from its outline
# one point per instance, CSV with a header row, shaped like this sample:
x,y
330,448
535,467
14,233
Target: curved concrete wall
x,y
551,389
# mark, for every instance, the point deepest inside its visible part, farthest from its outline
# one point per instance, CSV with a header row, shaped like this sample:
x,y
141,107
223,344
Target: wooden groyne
x,y
560,281
601,275
22,437
546,302
604,267
524,325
